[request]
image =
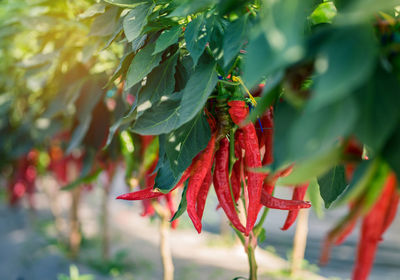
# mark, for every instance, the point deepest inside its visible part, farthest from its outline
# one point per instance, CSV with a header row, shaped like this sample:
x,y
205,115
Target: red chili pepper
x,y
146,193
221,184
235,176
200,169
267,122
283,204
239,111
149,178
149,192
372,229
298,194
171,209
203,193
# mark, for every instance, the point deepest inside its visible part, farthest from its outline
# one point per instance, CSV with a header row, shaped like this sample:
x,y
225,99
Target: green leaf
x,y
167,38
179,108
136,19
82,180
93,10
280,41
197,34
160,82
183,144
182,205
90,96
364,10
64,99
306,170
188,7
332,184
317,130
165,179
284,117
316,200
348,56
127,3
138,42
234,38
324,13
380,94
142,64
122,68
269,95
104,24
391,151
161,118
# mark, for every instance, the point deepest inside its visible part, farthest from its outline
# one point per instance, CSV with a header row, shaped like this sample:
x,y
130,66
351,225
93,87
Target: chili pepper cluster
x,y
374,223
23,180
234,151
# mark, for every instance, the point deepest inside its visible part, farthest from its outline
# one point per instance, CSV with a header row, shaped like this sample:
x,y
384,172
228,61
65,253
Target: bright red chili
x,y
298,194
221,184
239,111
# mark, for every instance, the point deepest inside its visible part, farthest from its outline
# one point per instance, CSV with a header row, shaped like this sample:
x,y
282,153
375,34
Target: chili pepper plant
x,y
238,95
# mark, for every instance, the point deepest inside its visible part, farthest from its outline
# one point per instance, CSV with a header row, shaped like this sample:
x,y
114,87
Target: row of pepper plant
x,y
241,95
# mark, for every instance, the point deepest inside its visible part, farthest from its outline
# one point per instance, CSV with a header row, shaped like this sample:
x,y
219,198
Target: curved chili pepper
x,y
149,192
203,193
171,209
239,111
235,176
200,169
221,184
146,193
267,121
372,229
298,194
149,179
283,204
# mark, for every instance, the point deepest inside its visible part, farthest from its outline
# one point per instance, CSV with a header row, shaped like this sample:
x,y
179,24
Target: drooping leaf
x,y
167,38
160,82
136,19
348,56
317,130
93,10
142,64
187,7
313,167
179,108
105,23
379,103
316,200
280,41
165,179
234,38
127,3
332,184
182,205
122,68
197,34
391,151
183,144
269,95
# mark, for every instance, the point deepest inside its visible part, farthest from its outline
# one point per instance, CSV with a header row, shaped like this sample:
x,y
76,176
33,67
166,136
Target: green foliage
x,y
332,184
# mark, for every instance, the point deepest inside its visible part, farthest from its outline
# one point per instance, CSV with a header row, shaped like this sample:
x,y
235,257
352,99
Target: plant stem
x,y
75,236
165,249
252,262
300,241
104,222
258,227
